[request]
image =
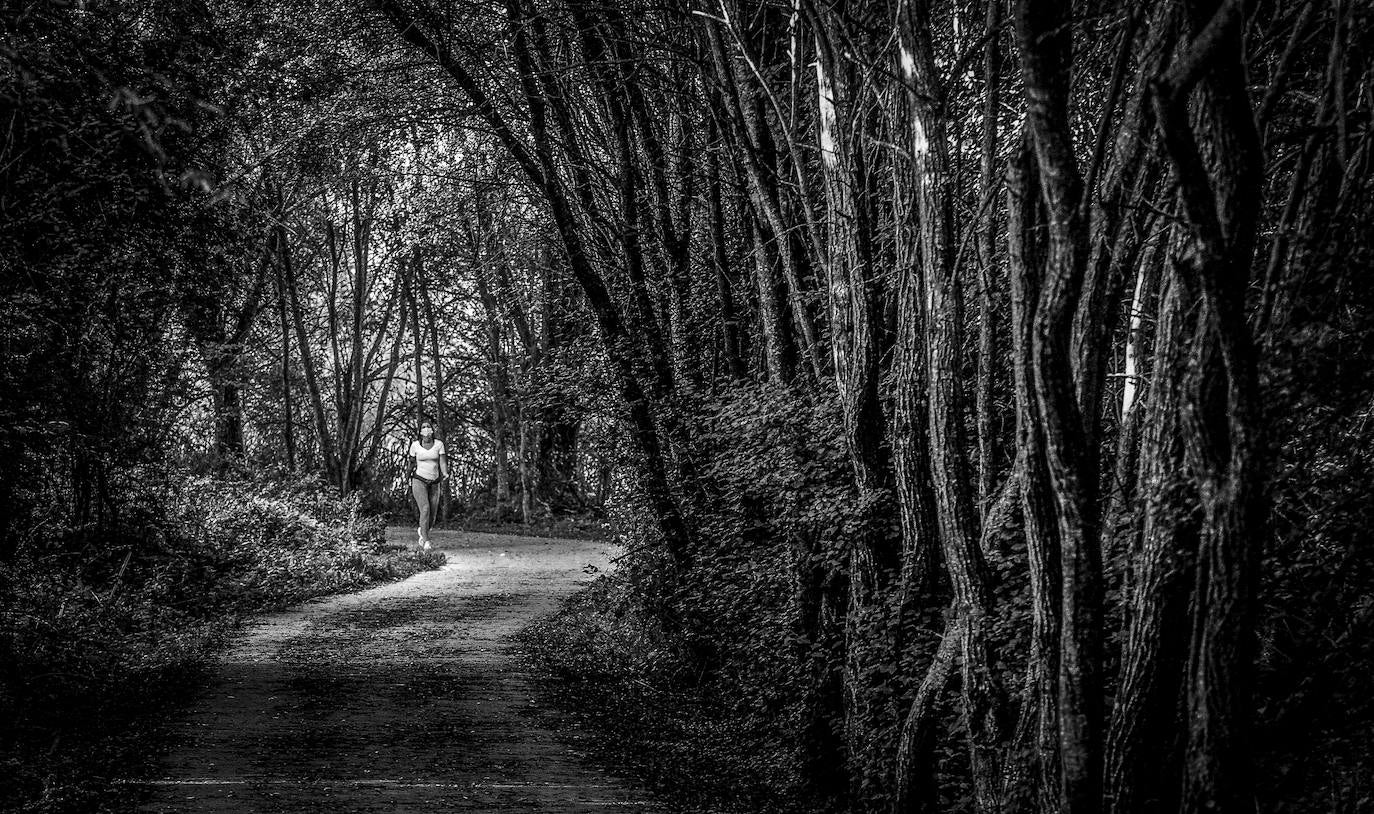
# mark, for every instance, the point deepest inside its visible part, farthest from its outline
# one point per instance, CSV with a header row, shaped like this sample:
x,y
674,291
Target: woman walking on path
x,y
431,467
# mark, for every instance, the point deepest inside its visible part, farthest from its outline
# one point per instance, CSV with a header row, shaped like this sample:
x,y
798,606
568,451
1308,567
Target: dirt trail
x,y
405,697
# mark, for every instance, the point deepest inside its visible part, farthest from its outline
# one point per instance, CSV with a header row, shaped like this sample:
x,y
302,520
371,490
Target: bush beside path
x,y
406,697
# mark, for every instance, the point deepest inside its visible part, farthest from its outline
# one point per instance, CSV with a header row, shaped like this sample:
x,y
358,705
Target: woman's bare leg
x,y
435,495
420,491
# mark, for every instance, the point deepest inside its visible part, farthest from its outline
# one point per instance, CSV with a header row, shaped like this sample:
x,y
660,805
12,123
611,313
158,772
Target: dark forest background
x,y
981,389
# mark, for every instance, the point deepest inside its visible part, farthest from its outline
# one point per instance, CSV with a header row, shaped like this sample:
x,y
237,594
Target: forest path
x,y
406,697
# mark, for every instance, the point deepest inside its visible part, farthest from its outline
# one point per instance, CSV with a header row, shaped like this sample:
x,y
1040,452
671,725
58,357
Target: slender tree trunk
x,y
351,419
956,516
778,348
916,778
500,395
1121,521
916,789
988,359
1198,551
1218,161
1143,741
1043,552
526,481
1046,46
720,257
857,310
288,412
417,364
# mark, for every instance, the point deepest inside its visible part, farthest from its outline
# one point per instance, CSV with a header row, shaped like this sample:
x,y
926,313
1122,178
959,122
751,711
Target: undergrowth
x,y
606,662
696,679
94,649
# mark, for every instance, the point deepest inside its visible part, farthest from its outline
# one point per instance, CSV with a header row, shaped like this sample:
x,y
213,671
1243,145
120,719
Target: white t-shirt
x,y
427,460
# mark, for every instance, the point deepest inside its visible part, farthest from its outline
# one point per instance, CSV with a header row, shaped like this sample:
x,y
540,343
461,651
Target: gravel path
x,y
405,697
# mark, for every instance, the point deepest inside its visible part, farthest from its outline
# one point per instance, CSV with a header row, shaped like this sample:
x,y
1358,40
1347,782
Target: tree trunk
x,y
857,308
731,346
1045,37
915,772
984,405
523,457
778,347
1143,741
417,356
1198,550
1218,159
1025,226
955,513
288,412
497,379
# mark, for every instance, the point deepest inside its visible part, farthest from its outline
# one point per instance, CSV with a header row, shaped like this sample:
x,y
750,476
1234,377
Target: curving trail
x,y
401,698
